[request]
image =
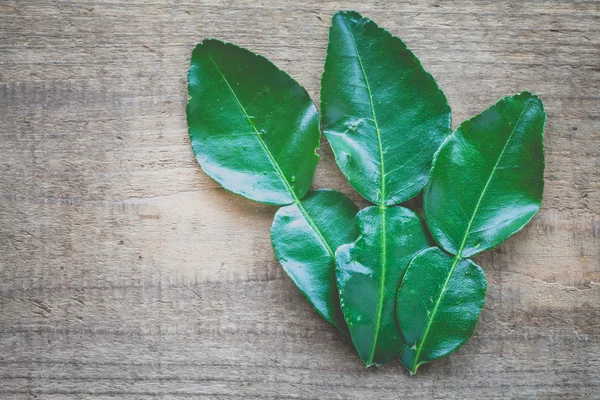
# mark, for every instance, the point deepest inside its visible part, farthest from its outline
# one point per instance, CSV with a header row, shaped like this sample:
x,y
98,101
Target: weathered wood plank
x,y
126,273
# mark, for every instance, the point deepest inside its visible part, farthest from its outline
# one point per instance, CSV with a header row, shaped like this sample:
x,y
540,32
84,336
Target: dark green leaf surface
x,y
487,178
368,275
253,128
383,115
439,303
305,237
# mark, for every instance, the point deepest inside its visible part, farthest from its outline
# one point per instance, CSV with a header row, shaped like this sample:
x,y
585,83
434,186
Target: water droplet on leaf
x,y
346,157
352,125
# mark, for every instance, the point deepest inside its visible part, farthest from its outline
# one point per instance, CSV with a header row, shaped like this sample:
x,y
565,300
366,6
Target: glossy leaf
x,y
487,178
305,236
383,115
368,275
253,128
439,303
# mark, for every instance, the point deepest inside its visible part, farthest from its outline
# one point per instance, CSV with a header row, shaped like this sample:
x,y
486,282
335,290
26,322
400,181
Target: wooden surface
x,y
125,273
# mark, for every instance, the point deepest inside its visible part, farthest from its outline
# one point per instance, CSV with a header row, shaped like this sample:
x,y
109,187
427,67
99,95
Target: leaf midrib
x,y
374,119
274,163
382,206
458,255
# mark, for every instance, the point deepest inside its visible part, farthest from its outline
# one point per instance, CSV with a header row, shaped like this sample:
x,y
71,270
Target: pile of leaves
x,y
372,273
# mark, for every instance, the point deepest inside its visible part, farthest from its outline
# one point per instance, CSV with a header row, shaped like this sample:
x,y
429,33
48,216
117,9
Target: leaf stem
x,y
458,255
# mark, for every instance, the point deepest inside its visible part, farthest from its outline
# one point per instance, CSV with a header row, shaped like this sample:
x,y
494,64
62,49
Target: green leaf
x,y
439,302
368,275
253,129
383,115
488,177
305,236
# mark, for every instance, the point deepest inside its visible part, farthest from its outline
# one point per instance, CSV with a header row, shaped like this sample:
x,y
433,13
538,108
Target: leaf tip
x,y
527,95
348,14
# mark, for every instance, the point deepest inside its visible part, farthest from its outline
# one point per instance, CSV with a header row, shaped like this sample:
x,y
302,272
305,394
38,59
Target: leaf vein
x,y
381,202
275,165
458,256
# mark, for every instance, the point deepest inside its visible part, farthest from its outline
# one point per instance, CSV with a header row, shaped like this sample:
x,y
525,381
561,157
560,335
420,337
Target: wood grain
x,y
126,273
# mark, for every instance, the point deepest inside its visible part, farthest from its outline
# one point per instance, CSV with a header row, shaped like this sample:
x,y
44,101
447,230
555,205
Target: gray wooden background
x,y
125,273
